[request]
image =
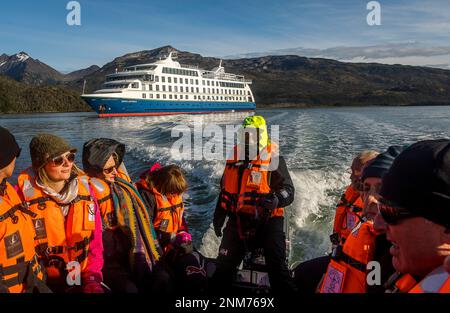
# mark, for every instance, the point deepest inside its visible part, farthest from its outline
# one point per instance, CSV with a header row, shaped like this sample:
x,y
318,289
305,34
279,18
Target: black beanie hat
x,y
96,153
419,181
9,149
381,164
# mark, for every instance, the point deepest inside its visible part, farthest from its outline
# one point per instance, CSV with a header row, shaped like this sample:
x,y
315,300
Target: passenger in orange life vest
x,y
131,250
347,270
162,190
20,270
349,208
415,212
308,274
255,188
67,221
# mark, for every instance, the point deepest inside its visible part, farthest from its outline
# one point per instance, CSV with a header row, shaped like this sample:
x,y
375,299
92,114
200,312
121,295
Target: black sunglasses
x,y
59,160
393,214
109,170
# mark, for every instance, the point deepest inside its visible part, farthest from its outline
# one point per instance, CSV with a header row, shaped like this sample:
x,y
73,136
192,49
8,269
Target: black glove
x,y
218,231
269,203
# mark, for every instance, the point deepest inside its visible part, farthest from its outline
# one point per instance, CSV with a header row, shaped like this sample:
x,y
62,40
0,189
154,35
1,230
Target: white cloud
x,y
409,53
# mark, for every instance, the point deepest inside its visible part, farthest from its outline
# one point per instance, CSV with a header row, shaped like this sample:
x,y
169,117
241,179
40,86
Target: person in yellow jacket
x,y
415,212
20,269
347,270
255,188
67,221
131,249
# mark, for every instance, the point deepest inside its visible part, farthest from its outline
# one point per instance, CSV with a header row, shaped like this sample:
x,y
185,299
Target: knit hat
x,y
96,153
419,181
9,148
381,164
45,147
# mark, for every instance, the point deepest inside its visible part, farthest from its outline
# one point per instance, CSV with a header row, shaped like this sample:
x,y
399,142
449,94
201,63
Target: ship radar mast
x,y
220,69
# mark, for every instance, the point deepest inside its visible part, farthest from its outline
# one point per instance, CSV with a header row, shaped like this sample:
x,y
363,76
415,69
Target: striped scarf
x,y
132,214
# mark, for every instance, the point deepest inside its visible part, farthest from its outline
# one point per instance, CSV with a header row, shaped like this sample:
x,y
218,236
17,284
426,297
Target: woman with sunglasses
x,y
67,221
131,250
347,270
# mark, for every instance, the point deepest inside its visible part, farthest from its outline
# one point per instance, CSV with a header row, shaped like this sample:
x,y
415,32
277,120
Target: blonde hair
x,y
46,180
363,158
168,180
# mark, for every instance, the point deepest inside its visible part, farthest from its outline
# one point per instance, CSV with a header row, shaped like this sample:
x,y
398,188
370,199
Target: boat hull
x,y
109,107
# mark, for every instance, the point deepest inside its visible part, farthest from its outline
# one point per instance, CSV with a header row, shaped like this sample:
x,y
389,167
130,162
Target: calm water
x,y
318,145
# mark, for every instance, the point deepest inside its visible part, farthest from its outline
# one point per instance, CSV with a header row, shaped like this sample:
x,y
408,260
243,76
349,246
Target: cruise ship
x,y
168,87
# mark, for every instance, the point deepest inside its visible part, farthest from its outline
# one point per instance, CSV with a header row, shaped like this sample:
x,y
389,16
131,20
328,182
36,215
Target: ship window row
x,y
195,97
176,80
196,89
178,71
192,81
146,77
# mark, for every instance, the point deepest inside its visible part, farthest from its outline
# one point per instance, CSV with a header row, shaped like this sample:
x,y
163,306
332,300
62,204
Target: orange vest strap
x,y
12,210
80,198
20,269
42,200
351,261
108,197
39,200
171,208
44,249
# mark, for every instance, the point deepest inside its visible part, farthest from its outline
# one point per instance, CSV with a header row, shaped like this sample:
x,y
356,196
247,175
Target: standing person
x,y
131,249
162,189
253,195
415,211
67,221
20,270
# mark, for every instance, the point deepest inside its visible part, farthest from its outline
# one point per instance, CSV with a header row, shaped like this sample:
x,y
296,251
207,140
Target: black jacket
x,y
280,184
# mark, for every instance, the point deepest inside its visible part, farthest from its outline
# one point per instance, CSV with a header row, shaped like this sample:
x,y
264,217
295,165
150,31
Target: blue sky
x,y
211,27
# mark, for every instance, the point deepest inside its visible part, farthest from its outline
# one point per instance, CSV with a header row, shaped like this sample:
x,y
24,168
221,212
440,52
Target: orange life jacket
x,y
346,272
169,212
438,281
19,265
60,238
348,213
102,192
254,184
